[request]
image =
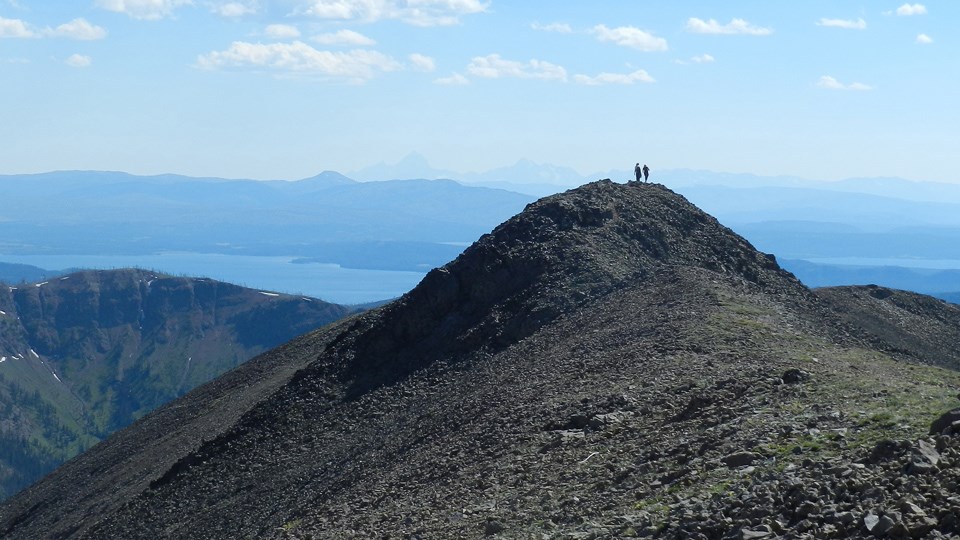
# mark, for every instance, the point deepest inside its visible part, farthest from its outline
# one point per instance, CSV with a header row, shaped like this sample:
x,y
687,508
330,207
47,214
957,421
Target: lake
x,y
328,282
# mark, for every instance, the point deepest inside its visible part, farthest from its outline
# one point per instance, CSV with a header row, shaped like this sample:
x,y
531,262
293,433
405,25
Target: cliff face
x,y
89,353
611,362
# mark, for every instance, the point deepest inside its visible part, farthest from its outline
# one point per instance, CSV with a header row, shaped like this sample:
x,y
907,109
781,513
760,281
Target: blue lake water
x,y
328,282
937,264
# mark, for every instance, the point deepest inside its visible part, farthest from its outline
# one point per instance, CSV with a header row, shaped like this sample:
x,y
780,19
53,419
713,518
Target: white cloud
x,y
911,9
281,31
924,39
831,83
422,63
298,57
78,61
615,78
453,80
629,36
143,9
858,24
735,26
494,67
416,12
344,37
562,28
78,29
15,28
232,10
702,59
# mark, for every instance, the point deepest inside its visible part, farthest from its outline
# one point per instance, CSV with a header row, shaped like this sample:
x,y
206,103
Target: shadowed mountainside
x,y
611,362
88,353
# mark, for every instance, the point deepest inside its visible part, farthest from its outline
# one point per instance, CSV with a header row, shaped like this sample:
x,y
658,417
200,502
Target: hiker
x,y
646,173
637,171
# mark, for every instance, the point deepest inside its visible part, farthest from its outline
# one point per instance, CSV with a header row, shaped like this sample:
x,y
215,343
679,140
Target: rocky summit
x,y
610,363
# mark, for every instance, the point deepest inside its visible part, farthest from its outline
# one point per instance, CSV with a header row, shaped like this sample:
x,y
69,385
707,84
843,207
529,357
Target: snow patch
x,y
2,312
42,283
57,378
34,353
3,359
265,293
307,299
64,278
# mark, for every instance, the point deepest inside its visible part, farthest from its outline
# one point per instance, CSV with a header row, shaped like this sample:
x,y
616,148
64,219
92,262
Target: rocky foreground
x,y
610,363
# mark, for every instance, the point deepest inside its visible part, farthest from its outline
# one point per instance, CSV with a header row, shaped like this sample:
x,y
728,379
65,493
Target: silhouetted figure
x,y
638,172
646,173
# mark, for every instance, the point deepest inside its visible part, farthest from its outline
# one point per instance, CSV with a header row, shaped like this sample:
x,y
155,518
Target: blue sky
x,y
288,88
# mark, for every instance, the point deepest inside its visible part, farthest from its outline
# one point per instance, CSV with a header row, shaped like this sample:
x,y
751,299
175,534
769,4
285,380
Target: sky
x,y
284,89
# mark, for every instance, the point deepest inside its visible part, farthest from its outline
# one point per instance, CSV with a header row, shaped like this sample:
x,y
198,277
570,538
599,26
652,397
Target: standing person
x,y
637,171
646,173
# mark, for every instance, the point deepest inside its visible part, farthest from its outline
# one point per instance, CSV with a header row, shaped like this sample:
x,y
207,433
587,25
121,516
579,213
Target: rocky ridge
x,y
610,363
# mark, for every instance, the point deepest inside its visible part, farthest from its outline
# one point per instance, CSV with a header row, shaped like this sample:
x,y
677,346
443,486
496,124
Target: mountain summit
x,y
611,362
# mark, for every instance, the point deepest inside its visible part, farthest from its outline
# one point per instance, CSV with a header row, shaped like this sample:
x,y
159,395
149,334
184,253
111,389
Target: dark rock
x,y
795,375
945,422
740,459
885,450
492,527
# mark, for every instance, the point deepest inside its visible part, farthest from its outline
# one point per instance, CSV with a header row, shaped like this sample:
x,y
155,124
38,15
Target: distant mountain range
x,y
412,217
85,354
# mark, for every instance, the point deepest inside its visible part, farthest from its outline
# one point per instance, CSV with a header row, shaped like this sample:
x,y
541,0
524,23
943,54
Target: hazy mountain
x,y
522,174
113,213
413,165
612,362
923,280
86,354
16,273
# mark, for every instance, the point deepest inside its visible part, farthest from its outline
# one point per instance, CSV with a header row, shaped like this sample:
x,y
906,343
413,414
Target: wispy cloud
x,y
344,37
455,79
629,36
849,24
78,29
232,10
615,78
907,10
143,9
422,62
735,26
831,83
494,67
78,61
702,59
281,31
562,28
415,12
355,66
924,39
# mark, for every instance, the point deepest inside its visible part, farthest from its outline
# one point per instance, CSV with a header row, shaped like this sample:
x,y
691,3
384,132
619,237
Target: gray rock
x,y
925,452
763,531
